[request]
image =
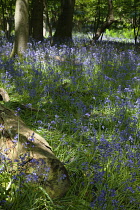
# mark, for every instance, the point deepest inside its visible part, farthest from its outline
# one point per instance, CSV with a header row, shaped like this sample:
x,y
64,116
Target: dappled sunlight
x,y
86,105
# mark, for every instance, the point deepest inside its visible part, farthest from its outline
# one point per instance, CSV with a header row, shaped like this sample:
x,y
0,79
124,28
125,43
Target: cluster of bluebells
x,y
39,170
100,104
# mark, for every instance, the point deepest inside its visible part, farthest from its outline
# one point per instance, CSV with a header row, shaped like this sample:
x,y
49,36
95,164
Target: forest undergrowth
x,y
87,107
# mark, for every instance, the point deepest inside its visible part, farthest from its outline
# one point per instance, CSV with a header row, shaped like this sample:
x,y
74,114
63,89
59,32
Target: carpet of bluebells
x,y
85,101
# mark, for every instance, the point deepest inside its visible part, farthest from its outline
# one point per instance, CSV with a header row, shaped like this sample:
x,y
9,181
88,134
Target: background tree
x,y
37,19
109,20
21,27
93,16
136,19
7,17
46,20
65,22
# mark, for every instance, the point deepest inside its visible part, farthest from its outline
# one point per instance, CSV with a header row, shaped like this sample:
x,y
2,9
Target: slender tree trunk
x,y
44,24
49,25
47,19
136,21
3,16
64,25
21,27
107,23
37,20
97,17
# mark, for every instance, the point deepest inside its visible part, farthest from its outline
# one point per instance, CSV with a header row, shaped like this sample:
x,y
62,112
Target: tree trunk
x,y
136,21
3,16
107,23
97,17
21,27
64,26
37,20
47,20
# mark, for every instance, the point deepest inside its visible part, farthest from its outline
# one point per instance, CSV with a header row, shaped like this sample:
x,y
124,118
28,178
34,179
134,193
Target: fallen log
x,y
4,95
26,151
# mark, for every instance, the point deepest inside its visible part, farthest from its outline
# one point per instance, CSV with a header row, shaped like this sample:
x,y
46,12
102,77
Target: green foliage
x,y
86,16
86,107
122,34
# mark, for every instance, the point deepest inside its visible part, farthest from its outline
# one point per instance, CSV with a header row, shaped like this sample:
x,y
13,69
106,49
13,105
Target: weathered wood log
x,y
4,95
29,153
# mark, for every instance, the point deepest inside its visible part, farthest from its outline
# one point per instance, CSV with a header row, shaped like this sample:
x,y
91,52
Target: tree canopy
x,y
88,16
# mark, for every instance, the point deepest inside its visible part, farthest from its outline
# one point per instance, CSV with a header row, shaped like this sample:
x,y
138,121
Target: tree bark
x,y
3,16
64,26
97,17
136,21
107,23
47,20
21,27
37,20
4,95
